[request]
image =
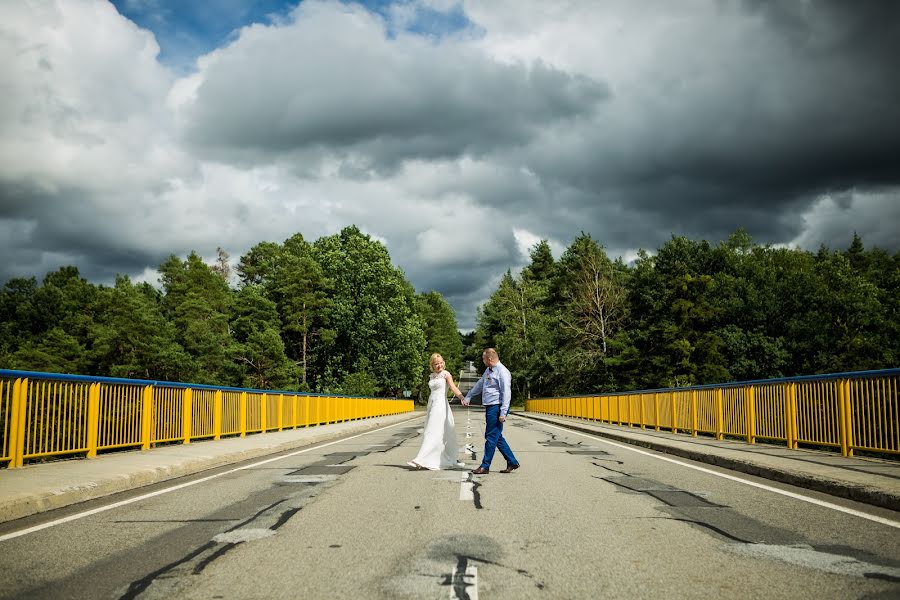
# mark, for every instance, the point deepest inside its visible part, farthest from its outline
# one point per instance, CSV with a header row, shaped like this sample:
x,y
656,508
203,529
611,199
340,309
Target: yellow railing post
x,y
674,400
751,415
146,417
93,419
694,413
264,411
851,441
280,412
17,423
643,416
720,414
844,417
217,415
656,409
790,408
307,416
186,405
243,413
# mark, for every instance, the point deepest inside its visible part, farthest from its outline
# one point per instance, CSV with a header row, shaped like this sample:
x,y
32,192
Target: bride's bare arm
x,y
453,387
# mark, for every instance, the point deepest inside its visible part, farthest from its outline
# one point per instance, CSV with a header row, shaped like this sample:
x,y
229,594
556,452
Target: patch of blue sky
x,y
187,29
419,18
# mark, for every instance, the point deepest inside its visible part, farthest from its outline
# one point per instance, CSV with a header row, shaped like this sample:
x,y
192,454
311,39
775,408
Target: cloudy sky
x,y
456,132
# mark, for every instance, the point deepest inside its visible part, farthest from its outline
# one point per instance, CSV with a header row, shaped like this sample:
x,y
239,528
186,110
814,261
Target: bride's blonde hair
x,y
433,358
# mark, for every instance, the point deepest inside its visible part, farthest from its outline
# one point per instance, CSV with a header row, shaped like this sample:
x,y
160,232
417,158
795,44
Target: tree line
x,y
332,316
693,313
336,316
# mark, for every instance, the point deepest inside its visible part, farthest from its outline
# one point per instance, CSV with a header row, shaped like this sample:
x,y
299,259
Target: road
x,y
583,518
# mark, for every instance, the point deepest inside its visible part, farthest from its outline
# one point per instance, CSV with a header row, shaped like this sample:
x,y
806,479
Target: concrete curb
x,y
843,489
24,504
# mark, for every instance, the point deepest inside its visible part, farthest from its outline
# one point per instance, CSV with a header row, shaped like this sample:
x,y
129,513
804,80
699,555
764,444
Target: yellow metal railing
x,y
46,414
850,411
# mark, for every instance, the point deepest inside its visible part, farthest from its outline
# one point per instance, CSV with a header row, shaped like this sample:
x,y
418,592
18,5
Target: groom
x,y
494,386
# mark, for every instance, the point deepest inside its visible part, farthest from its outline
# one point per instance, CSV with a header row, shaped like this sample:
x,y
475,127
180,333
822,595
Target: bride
x,y
439,449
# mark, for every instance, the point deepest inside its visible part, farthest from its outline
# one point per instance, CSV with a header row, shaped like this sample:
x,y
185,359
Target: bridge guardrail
x,y
850,411
48,414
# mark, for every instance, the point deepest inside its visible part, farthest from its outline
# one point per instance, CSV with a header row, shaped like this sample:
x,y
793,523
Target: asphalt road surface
x,y
583,518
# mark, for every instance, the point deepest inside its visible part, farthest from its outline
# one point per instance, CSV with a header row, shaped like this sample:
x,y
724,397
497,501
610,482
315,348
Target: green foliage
x,y
132,338
257,347
358,384
693,314
336,316
54,352
516,321
373,314
197,301
590,291
441,333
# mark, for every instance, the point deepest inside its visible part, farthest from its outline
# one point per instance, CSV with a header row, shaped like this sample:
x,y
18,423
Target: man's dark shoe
x,y
480,471
510,468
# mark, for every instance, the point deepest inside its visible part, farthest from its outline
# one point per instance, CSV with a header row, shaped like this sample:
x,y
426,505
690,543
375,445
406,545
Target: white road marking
x,y
469,579
101,509
243,535
307,478
761,486
807,556
465,488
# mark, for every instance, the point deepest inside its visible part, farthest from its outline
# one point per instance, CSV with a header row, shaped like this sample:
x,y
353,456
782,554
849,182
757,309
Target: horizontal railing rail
x,y
49,414
850,411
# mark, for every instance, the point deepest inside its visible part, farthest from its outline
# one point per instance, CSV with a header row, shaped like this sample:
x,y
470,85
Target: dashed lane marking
x,y
464,584
466,488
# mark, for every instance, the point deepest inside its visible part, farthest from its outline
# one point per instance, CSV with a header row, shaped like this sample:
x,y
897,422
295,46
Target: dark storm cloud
x,y
399,99
45,230
750,138
628,121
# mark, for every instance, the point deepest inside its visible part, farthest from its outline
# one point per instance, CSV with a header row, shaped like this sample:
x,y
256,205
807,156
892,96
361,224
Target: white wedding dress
x,y
439,449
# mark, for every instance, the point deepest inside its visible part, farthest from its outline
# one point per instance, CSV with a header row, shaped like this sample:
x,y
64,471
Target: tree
x,y
673,298
46,327
593,314
750,323
222,267
596,302
542,267
441,331
132,338
441,334
301,291
373,313
54,352
197,301
289,275
258,266
523,338
258,349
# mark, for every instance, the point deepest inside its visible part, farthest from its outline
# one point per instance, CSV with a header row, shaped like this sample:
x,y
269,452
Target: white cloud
x,y
63,126
628,121
833,218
